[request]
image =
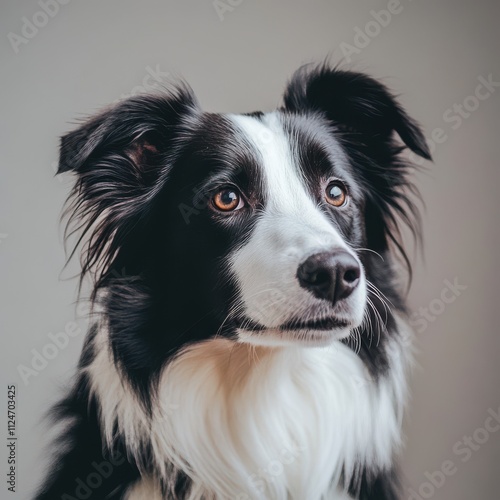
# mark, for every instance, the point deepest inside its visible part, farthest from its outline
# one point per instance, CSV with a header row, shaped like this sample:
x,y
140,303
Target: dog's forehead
x,y
270,143
291,150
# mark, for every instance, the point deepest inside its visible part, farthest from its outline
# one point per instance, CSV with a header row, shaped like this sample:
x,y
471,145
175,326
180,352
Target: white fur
x,y
291,228
260,423
265,417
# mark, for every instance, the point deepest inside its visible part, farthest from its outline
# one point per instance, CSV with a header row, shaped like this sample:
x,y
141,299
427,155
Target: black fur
x,y
145,170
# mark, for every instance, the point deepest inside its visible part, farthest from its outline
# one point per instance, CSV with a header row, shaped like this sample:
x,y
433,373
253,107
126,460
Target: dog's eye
x,y
336,193
228,199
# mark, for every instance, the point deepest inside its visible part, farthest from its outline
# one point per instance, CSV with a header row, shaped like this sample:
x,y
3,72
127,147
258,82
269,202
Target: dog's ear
x,y
119,157
134,128
356,103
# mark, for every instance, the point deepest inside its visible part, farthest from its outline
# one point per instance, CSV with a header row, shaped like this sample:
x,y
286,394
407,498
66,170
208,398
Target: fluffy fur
x,y
213,371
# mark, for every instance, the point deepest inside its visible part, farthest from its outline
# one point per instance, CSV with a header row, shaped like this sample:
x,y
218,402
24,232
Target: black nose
x,y
330,275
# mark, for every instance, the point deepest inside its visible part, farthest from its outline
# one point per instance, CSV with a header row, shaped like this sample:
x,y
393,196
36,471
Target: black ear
x,y
125,128
356,102
119,157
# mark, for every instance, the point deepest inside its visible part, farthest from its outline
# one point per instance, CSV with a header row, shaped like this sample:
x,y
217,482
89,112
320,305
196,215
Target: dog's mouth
x,y
331,323
320,324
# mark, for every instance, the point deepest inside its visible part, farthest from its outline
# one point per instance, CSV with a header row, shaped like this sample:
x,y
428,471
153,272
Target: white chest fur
x,y
259,423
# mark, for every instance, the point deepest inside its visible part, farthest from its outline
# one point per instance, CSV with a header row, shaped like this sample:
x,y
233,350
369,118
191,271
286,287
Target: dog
x,y
249,339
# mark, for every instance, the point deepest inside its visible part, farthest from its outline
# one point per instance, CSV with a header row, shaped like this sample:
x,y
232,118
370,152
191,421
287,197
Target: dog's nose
x,y
330,275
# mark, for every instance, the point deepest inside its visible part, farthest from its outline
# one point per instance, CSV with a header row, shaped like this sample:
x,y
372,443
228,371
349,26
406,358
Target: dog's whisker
x,y
369,250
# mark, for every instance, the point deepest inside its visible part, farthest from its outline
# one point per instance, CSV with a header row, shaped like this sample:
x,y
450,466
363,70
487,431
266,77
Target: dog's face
x,y
250,226
266,214
277,214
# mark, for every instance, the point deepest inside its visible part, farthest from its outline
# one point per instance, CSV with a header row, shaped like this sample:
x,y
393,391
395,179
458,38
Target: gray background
x,y
431,53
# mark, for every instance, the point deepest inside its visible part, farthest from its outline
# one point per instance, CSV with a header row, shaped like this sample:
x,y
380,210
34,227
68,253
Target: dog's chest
x,y
273,423
257,423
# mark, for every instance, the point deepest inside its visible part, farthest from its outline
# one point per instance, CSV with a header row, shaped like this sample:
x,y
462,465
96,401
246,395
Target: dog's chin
x,y
297,335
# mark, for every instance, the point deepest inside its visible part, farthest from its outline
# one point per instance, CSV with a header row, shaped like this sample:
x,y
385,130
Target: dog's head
x,y
259,227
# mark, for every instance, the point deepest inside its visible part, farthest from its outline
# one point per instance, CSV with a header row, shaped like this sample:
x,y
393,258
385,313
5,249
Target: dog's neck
x,y
257,422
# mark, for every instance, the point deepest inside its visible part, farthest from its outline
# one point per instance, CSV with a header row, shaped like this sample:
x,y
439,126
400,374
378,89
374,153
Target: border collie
x,y
250,339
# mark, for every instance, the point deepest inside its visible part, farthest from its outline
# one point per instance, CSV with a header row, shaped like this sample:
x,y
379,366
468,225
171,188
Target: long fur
x,y
197,380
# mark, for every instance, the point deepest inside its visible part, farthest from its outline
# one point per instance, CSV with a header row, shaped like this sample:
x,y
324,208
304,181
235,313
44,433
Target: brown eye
x,y
228,200
336,193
